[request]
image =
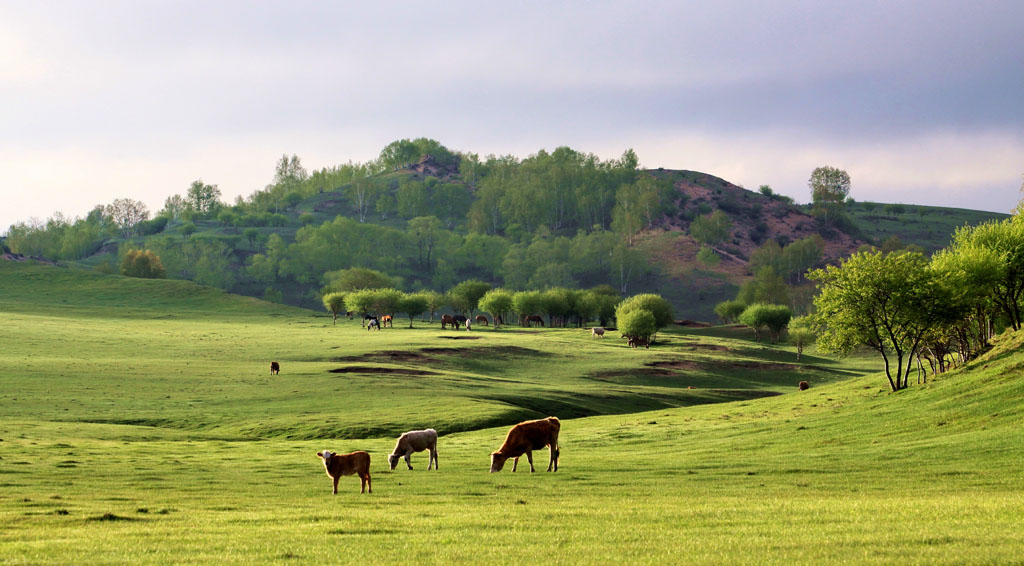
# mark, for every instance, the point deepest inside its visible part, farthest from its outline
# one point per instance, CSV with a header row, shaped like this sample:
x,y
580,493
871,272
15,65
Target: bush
x,y
154,226
760,316
497,302
801,334
334,302
143,264
729,311
307,218
654,304
637,324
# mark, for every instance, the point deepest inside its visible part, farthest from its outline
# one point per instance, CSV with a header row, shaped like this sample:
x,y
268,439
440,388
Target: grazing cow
x,y
356,463
385,321
368,317
482,319
534,318
803,385
373,325
448,319
468,324
460,320
275,368
349,314
415,441
526,437
597,331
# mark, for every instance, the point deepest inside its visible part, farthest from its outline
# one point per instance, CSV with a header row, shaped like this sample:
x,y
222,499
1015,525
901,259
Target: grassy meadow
x,y
139,424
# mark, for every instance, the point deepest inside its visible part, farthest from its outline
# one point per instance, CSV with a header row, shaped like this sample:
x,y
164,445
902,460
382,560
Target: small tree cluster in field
x,y
640,316
334,302
729,311
378,301
143,264
906,306
761,317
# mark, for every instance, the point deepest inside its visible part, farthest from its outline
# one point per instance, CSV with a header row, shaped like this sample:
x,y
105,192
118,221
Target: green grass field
x,y
930,227
139,424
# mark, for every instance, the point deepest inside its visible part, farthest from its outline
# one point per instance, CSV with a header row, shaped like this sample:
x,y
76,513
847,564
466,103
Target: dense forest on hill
x,y
429,218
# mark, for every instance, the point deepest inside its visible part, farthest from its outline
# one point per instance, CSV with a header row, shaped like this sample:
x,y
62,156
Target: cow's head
x,y
326,455
497,461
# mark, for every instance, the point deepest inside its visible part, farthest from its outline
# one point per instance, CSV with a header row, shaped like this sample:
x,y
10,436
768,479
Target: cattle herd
x,y
522,438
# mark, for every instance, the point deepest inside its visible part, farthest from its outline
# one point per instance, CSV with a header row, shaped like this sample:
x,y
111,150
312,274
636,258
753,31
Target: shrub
x,y
760,316
143,264
729,311
497,302
637,324
654,304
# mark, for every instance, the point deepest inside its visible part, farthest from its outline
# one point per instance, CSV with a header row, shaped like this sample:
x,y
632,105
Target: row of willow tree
x,y
939,312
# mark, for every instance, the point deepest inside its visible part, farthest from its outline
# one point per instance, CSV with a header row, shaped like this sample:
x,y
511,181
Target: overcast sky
x,y
921,102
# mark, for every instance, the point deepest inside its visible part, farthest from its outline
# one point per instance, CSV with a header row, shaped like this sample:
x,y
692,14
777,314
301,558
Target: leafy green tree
x,y
637,324
251,234
272,295
202,198
767,286
497,303
711,229
470,292
334,302
760,316
355,279
435,302
386,205
1005,238
729,311
187,229
878,300
413,305
829,189
174,206
801,334
142,263
425,232
527,303
555,302
601,301
657,306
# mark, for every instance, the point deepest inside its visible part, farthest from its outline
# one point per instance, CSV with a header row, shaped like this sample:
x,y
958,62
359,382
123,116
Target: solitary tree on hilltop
x,y
829,188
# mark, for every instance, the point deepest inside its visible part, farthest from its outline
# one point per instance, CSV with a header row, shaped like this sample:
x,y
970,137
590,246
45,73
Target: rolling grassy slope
x,y
842,473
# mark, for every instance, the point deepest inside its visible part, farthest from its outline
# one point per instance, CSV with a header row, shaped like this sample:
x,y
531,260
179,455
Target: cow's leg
x,y
529,456
408,459
335,485
369,486
515,463
554,458
433,454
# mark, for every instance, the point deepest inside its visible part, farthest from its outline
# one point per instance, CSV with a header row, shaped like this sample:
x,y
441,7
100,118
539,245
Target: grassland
x,y
930,227
138,424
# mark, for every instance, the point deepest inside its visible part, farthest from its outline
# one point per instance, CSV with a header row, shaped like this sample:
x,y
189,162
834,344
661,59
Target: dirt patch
x,y
461,337
685,365
493,351
383,370
386,356
691,323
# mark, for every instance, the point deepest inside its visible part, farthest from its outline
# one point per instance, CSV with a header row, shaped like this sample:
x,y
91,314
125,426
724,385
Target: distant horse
x,y
481,319
534,318
448,319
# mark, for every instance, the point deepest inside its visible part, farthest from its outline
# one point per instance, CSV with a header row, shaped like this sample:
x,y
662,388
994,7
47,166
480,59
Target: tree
x,y
1005,238
657,306
413,305
187,229
729,311
878,300
760,315
361,301
435,301
767,286
708,257
334,302
425,232
711,229
202,198
143,264
637,324
355,279
527,303
126,214
829,188
496,302
801,334
470,292
174,206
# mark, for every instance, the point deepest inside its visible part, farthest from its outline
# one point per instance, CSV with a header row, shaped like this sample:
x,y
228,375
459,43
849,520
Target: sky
x,y
920,102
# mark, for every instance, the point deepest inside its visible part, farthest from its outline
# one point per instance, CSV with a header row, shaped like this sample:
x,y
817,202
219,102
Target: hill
x,y
429,218
129,435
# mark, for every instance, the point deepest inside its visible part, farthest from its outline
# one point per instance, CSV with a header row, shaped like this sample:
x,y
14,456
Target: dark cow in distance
x,y
460,320
534,318
526,437
804,386
275,368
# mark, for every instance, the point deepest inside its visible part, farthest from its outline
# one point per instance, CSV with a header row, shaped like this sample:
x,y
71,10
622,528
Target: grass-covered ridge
x,y
130,438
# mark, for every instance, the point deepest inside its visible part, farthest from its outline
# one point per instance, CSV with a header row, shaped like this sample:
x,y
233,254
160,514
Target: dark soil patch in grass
x,y
386,356
377,369
111,517
460,337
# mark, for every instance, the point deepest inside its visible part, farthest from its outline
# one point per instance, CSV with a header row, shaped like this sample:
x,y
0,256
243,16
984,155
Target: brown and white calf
x,y
526,437
355,463
415,441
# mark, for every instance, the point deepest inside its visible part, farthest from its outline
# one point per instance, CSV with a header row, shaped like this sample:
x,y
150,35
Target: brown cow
x,y
534,318
482,319
356,463
275,368
449,319
526,437
385,321
597,331
803,385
